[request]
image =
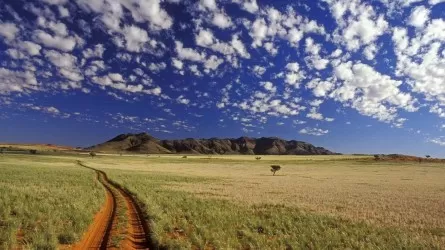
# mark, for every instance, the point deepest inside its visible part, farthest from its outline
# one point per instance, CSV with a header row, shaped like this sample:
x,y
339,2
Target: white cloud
x,y
213,62
269,86
370,92
96,52
222,20
66,65
17,81
370,51
258,32
189,53
157,67
434,2
55,2
116,77
248,5
239,47
8,30
64,12
177,63
294,75
135,38
319,87
15,54
31,48
314,114
419,16
259,70
362,27
313,131
182,100
439,141
208,4
57,42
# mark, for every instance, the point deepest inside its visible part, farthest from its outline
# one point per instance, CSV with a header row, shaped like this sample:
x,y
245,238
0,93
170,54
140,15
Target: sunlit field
x,y
45,202
313,201
232,202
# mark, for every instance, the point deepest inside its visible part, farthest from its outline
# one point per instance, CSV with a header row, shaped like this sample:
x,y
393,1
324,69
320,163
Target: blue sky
x,y
354,76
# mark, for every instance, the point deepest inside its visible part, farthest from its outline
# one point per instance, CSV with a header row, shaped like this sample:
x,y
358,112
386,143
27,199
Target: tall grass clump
x,y
45,202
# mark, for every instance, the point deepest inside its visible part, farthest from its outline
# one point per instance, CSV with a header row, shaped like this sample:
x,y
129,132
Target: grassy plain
x,y
45,201
234,202
231,202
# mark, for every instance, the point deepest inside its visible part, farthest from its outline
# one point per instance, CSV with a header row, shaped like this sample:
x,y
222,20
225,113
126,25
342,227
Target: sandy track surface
x,y
103,228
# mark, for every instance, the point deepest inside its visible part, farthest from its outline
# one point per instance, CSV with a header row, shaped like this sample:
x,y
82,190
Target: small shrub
x,y
66,238
184,157
33,151
92,154
258,158
275,168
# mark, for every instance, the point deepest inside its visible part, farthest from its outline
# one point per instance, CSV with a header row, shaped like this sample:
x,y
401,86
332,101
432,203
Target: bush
x,y
33,151
275,168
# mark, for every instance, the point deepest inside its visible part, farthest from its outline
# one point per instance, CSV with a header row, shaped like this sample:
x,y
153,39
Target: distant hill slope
x,y
145,143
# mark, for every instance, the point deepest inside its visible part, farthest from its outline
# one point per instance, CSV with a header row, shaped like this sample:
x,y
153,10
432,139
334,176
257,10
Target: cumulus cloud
x,y
221,20
248,5
17,81
294,75
313,131
56,42
8,30
419,16
371,93
66,64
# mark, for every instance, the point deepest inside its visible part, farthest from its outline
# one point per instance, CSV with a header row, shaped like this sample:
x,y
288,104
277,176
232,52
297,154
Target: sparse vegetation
x,y
33,151
275,168
184,157
257,158
377,157
92,154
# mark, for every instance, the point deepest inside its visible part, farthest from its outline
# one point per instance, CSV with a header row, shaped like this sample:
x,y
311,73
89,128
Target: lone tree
x,y
376,157
92,154
275,168
428,156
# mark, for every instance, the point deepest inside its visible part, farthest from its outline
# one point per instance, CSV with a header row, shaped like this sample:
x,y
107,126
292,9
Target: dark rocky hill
x,y
145,143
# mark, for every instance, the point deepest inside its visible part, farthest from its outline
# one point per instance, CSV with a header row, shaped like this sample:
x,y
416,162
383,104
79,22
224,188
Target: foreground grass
x,y
45,201
183,220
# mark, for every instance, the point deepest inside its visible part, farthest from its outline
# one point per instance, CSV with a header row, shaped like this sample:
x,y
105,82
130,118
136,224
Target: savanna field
x,y
227,202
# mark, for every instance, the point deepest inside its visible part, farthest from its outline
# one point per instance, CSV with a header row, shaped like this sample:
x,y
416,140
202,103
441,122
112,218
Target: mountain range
x,y
145,143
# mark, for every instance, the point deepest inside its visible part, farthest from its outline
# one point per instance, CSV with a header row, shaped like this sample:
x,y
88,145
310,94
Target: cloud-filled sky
x,y
350,75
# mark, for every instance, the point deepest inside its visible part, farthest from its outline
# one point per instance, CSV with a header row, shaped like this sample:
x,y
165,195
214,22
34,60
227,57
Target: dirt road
x,y
105,231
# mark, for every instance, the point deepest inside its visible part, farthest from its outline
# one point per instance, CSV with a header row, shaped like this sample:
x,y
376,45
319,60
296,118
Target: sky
x,y
353,76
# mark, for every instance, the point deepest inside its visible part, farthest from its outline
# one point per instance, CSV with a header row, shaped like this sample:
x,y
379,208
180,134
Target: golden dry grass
x,y
403,195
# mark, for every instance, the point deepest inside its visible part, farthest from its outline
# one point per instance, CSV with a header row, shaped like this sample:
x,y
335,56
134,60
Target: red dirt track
x,y
103,228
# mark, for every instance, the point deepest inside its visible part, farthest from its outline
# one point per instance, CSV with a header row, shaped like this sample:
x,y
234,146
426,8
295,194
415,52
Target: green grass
x,y
181,220
51,200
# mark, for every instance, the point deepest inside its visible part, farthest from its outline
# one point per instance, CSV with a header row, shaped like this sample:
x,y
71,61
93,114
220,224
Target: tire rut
x,y
104,227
